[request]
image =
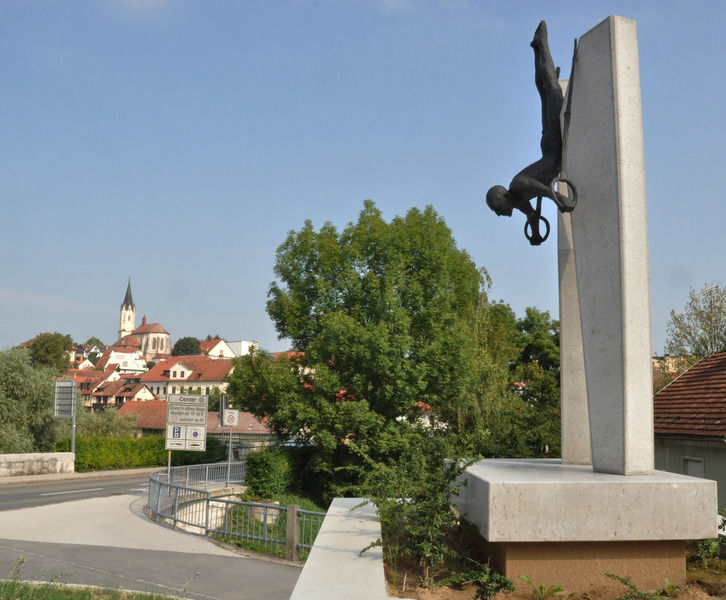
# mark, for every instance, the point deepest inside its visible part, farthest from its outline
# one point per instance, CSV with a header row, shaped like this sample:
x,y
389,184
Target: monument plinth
x,y
568,522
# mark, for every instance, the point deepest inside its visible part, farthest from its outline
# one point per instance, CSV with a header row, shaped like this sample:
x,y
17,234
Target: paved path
x,y
111,542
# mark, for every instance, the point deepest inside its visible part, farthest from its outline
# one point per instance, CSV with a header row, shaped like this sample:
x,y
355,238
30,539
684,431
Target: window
x,y
207,392
173,389
174,374
181,374
693,466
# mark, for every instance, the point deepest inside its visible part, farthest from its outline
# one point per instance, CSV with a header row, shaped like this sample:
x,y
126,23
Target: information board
x,y
186,422
64,399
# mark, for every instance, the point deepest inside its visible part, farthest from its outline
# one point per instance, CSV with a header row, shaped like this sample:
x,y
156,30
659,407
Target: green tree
x,y
26,403
93,341
519,388
186,346
385,315
700,329
51,349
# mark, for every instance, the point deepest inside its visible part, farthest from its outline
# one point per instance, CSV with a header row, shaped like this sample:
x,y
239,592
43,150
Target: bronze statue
x,y
538,179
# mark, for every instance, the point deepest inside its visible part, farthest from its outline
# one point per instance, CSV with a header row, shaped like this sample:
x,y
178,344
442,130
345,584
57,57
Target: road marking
x,y
71,492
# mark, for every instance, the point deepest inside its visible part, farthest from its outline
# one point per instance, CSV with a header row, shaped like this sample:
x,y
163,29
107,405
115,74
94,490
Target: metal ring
x,y
572,199
530,235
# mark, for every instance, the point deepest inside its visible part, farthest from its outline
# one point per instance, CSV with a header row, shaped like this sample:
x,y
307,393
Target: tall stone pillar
x,y
609,226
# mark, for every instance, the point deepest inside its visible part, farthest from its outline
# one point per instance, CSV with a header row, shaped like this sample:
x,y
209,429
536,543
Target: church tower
x,y
128,314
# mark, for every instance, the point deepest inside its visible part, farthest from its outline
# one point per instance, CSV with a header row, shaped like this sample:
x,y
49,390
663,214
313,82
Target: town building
x,y
151,339
187,375
690,423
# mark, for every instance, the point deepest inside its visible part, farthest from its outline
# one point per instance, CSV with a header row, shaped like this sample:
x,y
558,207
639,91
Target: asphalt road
x,y
191,575
39,493
107,540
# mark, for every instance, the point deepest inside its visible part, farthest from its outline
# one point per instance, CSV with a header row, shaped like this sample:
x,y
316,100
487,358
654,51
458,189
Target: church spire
x,y
128,300
127,321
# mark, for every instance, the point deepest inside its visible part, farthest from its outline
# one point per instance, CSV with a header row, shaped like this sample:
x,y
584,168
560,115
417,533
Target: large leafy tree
x,y
700,329
51,350
26,403
186,346
385,309
384,315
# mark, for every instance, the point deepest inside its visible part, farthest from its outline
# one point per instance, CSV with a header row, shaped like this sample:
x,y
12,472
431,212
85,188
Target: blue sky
x,y
177,142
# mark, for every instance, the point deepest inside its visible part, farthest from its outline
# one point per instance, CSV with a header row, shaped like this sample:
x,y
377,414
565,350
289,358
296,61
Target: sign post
x,y
186,424
64,406
231,418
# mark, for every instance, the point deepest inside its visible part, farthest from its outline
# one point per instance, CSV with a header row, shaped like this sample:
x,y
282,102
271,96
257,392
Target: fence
x,y
182,497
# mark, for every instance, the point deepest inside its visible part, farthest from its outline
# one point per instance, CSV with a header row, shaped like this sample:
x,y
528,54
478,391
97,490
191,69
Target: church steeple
x,y
127,322
128,300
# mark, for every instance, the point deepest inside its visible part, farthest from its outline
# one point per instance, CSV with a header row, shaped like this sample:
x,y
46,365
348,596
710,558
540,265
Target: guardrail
x,y
182,497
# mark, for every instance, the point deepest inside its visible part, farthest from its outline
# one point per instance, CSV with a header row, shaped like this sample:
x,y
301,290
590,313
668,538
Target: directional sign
x,y
64,399
230,417
186,422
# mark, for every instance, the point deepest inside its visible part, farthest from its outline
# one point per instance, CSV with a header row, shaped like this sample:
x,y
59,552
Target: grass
x,y
13,588
20,590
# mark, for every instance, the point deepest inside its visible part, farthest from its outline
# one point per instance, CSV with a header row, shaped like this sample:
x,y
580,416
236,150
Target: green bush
x,y
100,453
268,473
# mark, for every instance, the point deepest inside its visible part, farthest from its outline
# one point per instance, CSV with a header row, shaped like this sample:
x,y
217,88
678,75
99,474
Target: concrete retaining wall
x,y
36,463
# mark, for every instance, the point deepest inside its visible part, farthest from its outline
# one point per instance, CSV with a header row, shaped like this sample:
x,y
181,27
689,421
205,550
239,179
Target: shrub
x,y
268,473
101,453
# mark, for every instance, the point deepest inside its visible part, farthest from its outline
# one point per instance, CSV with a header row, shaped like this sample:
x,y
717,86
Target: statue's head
x,y
498,200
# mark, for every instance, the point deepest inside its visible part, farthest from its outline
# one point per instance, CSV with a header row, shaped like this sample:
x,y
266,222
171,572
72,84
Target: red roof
x,y
119,389
128,341
149,415
149,328
203,368
694,403
208,345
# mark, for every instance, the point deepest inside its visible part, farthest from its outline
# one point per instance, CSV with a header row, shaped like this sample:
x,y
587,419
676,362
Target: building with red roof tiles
x,y
153,339
117,393
150,416
690,423
185,374
216,348
150,338
247,427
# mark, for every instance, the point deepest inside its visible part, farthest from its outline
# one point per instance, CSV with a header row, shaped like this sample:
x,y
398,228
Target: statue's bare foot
x,y
540,36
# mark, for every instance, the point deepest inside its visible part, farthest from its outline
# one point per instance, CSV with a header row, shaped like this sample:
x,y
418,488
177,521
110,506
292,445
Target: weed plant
x,y
635,593
544,592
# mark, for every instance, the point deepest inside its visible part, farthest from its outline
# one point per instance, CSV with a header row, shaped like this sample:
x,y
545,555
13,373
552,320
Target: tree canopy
x,y
391,326
186,346
51,350
26,403
700,329
384,316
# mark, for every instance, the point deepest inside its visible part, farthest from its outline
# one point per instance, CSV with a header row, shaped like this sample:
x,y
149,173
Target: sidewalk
x,y
16,479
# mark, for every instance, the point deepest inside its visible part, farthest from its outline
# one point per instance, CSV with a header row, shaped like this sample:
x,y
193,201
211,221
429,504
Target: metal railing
x,y
182,497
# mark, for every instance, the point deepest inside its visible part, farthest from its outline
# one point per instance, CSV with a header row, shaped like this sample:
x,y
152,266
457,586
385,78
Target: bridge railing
x,y
183,496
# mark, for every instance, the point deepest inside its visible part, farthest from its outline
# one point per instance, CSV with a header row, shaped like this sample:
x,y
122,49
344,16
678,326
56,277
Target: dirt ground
x,y
692,591
703,584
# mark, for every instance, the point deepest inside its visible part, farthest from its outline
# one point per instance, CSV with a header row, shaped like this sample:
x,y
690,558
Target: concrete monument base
x,y
567,525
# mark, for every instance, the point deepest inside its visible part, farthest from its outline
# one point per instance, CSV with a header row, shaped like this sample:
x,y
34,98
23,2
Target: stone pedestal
x,y
567,525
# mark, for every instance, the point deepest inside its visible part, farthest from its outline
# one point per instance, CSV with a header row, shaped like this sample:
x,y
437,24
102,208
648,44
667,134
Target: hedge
x,y
100,453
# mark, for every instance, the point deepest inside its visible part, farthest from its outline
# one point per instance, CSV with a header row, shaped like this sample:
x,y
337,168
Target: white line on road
x,y
71,492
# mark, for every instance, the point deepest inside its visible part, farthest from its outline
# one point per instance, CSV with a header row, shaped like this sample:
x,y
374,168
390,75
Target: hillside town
x,y
138,372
